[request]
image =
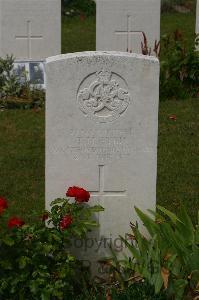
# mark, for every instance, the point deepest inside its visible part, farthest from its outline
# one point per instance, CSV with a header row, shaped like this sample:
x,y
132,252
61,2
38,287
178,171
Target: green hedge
x,y
86,7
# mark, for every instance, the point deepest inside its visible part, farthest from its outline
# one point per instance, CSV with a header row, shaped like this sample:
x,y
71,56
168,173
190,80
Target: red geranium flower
x,y
80,194
15,222
3,203
72,191
65,222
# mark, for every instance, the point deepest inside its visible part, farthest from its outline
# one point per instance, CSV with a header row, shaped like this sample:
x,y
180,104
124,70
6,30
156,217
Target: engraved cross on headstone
x,y
29,37
102,192
129,34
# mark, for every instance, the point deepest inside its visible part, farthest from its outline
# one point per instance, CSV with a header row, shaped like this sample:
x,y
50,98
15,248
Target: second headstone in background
x,y
30,29
121,23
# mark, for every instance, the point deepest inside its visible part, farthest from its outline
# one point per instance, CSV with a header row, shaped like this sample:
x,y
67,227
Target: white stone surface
x,y
120,24
101,134
30,29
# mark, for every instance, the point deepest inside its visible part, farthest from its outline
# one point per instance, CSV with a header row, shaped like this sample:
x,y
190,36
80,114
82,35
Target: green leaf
x,y
96,208
91,223
56,237
156,215
23,261
188,229
45,296
149,223
8,241
174,241
132,249
179,288
150,249
47,248
198,217
77,231
194,278
197,235
193,261
6,264
158,283
142,242
169,214
58,201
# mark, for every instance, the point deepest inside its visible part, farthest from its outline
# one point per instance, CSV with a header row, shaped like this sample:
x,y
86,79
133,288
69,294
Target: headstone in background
x,y
30,29
120,24
101,134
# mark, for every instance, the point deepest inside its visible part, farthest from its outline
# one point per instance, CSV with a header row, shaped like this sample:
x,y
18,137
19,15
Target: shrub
x,y
179,65
179,68
137,291
9,83
13,93
167,5
35,260
169,258
85,7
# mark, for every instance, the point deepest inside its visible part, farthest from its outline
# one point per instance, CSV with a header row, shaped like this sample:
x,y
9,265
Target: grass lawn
x,y
78,35
22,137
22,160
178,167
184,22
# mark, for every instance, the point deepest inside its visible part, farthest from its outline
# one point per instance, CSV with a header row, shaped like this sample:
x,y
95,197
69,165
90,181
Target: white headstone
x,y
120,24
30,29
101,133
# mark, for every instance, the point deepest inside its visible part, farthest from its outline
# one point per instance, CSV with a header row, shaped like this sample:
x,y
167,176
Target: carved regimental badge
x,y
103,96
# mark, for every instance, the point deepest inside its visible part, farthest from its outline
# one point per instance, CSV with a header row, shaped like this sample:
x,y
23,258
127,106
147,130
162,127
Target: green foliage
x,y
75,7
167,5
169,259
9,83
35,260
137,291
14,94
179,68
